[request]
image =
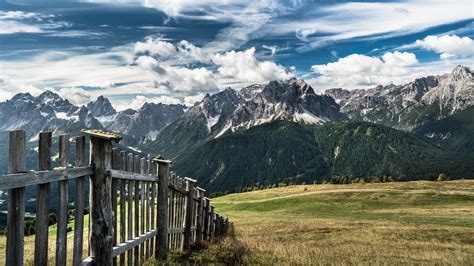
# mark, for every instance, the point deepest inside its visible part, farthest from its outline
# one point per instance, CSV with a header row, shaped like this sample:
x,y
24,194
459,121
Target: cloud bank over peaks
x,y
244,66
166,58
358,70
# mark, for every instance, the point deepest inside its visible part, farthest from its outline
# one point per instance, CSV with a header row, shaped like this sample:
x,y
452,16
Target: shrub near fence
x,y
138,208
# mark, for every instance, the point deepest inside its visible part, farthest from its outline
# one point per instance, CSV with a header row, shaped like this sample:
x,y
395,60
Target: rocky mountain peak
x,y
101,107
48,97
23,97
461,72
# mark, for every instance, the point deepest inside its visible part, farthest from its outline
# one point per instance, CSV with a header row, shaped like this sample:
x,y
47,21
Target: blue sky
x,y
177,51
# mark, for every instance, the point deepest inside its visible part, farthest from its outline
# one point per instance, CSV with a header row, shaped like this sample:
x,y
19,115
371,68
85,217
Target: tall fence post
x,y
161,247
212,224
101,217
207,212
200,218
16,200
188,218
42,201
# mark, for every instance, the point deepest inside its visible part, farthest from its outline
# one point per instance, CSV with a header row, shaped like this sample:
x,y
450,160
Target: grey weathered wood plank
x,y
62,212
130,162
171,217
142,171
123,167
120,174
42,177
131,243
188,220
136,251
42,201
206,218
152,171
162,214
199,215
16,200
79,203
114,200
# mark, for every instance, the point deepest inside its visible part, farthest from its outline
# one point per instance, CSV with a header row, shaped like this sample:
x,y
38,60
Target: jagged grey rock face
x,y
147,122
454,92
230,110
47,112
50,112
407,106
101,107
292,100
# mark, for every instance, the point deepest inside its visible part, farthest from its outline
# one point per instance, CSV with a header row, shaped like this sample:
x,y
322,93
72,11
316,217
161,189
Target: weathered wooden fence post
x,y
16,200
200,218
42,201
188,219
161,247
101,216
79,204
212,224
207,212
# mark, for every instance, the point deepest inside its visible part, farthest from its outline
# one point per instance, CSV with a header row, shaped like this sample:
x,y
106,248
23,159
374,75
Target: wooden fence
x,y
138,208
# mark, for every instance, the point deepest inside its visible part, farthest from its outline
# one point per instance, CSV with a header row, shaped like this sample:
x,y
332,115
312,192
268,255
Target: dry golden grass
x,y
384,223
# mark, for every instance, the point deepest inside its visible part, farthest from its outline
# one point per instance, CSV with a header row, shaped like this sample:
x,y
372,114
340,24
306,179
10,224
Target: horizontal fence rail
x,y
138,208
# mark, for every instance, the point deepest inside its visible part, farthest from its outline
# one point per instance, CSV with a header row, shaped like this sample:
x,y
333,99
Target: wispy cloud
x,y
28,22
376,20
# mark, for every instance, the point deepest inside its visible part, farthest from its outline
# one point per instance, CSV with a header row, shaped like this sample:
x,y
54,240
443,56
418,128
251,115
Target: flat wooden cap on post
x,y
161,252
101,238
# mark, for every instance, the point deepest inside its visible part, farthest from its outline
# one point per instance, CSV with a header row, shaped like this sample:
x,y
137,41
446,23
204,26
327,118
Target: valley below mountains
x,y
282,131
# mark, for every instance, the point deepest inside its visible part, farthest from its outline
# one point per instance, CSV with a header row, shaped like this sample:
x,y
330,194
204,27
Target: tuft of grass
x,y
227,250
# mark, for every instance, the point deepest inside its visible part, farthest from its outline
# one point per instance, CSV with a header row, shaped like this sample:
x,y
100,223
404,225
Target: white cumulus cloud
x,y
448,46
155,46
358,70
244,66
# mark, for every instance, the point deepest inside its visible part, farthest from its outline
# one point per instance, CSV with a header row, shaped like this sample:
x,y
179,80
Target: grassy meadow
x,y
380,223
384,223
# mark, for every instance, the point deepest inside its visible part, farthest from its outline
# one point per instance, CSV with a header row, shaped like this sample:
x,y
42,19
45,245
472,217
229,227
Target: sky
x,y
141,51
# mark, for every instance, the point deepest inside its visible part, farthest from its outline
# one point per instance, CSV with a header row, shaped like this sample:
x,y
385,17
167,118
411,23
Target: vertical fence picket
x,y
162,239
188,221
129,209
152,203
123,200
142,170
16,199
114,200
42,201
79,203
61,235
136,217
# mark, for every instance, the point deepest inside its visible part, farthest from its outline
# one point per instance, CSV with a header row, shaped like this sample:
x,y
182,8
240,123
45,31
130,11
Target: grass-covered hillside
x,y
386,223
290,152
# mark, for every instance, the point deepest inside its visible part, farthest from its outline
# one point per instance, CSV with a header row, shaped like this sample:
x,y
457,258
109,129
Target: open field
x,y
415,222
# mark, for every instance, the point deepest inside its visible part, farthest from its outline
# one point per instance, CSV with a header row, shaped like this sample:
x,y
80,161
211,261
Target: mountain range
x,y
50,112
283,130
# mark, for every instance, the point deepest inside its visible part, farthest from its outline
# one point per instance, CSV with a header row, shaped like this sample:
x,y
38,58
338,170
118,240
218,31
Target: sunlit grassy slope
x,y
389,223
